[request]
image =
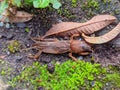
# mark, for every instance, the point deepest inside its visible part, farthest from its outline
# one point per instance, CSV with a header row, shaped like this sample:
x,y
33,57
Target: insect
x,y
55,46
69,28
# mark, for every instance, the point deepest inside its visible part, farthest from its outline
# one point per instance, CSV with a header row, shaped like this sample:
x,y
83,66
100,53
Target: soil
x,y
105,54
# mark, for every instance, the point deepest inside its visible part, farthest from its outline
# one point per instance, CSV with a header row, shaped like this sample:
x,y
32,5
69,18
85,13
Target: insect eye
x,y
87,48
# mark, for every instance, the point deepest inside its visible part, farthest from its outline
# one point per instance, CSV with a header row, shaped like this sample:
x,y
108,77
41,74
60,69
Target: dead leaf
x,y
104,38
69,28
19,16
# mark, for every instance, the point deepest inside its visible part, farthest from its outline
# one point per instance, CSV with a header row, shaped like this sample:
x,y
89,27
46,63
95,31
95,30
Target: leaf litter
x,y
69,28
15,16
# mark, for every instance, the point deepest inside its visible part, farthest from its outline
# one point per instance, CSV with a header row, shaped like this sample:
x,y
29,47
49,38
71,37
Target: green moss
x,y
5,68
14,46
106,1
67,76
90,4
74,3
114,79
66,13
27,30
3,72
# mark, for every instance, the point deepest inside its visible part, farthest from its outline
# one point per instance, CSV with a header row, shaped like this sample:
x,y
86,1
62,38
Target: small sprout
x,y
3,72
14,46
74,3
27,30
1,61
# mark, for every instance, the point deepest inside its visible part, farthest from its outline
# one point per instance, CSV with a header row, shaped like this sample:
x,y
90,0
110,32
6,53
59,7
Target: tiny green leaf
x,y
41,3
3,6
56,3
17,3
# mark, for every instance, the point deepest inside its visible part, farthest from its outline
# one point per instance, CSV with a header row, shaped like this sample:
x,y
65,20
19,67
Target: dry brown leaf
x,y
20,16
69,28
104,38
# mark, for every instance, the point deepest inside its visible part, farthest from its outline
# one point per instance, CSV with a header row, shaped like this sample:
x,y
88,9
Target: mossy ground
x,y
14,46
69,75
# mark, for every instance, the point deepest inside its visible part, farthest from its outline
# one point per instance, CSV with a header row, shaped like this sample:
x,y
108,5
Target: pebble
x,y
8,53
80,58
7,25
50,68
58,62
107,84
93,83
28,45
1,24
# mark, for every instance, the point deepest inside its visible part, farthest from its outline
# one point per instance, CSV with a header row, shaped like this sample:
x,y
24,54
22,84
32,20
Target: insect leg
x,y
36,56
70,55
74,35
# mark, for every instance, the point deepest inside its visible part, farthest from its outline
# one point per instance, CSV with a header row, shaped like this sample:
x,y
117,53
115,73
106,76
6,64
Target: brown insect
x,y
55,46
104,38
69,28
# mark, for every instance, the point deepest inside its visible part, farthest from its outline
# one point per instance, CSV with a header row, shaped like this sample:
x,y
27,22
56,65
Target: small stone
x,y
28,45
7,25
58,62
93,83
107,84
80,57
8,53
1,24
50,68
